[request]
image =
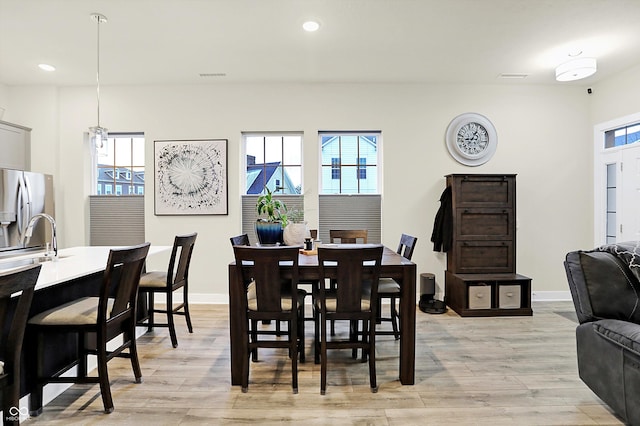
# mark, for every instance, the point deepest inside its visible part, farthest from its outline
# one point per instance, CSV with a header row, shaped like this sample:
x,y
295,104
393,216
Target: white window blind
x,y
341,211
116,221
250,215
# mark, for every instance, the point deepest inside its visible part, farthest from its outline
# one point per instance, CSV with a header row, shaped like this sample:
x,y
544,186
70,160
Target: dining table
x,y
393,266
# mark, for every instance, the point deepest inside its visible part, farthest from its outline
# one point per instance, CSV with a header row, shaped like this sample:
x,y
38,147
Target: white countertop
x,y
75,262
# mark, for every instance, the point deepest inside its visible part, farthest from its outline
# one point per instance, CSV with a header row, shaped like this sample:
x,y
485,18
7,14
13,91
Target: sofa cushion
x,y
622,333
612,291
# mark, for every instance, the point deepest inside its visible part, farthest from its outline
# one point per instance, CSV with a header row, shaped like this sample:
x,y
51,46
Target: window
x,y
273,161
349,162
622,136
120,165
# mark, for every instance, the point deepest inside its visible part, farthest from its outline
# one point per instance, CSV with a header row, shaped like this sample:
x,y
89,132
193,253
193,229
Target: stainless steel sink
x,y
17,263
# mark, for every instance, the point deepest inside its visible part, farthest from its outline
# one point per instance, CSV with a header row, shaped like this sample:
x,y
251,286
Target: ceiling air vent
x,y
213,74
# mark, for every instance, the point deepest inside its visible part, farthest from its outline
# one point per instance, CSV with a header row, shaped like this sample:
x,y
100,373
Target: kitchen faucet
x,y
54,240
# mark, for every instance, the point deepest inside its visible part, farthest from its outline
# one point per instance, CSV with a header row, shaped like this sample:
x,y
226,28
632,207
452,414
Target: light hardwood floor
x,y
469,371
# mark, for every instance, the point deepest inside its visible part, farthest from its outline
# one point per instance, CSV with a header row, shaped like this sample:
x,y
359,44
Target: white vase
x,y
295,233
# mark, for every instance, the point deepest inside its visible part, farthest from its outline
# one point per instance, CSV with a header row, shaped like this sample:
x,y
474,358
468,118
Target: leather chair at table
x,y
388,288
96,321
354,299
269,299
14,312
176,277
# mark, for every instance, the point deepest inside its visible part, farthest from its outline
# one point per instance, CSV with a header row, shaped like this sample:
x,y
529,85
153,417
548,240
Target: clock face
x,y
471,139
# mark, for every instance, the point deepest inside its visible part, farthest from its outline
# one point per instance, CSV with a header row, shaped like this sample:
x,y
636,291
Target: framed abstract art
x,y
190,177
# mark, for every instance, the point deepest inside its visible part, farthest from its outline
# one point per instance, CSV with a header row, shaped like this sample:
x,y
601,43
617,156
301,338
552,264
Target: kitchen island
x,y
76,273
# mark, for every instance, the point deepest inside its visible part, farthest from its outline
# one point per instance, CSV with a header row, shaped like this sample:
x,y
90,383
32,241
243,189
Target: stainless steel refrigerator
x,y
22,195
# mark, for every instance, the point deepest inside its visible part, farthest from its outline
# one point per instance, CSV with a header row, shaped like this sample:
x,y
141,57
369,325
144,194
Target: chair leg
x,y
133,353
316,336
394,318
170,322
35,398
187,315
293,349
245,365
254,337
103,377
323,356
372,358
151,311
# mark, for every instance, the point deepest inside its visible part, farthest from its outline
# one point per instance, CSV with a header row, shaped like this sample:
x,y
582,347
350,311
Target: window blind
x,y
116,221
250,215
342,211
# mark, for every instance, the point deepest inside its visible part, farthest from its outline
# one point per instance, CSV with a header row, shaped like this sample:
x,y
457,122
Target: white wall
x,y
616,97
544,136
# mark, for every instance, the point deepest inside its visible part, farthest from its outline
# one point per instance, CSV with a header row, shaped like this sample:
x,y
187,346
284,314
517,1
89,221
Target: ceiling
x,y
363,41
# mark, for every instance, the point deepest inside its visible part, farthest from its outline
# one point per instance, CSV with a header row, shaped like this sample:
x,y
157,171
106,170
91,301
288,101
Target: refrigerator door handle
x,y
24,206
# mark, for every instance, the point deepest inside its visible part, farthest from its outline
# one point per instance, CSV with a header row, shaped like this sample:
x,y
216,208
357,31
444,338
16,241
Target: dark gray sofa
x,y
605,287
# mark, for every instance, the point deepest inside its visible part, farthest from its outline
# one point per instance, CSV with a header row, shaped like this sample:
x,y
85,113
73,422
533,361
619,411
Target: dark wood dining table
x,y
394,266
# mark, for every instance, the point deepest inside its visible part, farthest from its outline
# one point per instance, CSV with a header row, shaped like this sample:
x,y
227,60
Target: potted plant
x,y
269,230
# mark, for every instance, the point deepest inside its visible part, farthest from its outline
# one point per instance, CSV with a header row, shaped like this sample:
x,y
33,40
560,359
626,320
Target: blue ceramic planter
x,y
269,233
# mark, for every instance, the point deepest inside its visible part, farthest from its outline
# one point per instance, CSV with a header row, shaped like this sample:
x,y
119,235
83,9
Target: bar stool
x,y
14,312
176,277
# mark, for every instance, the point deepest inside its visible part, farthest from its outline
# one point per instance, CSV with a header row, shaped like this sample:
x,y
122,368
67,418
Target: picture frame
x,y
190,177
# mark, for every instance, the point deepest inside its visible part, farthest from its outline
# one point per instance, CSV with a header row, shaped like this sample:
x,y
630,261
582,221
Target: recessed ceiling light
x,y
311,26
46,67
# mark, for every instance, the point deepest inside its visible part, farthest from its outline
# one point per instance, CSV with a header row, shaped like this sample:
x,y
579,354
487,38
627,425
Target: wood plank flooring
x,y
469,371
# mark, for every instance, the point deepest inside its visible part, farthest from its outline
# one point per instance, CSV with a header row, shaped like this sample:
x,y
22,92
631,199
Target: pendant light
x,y
98,133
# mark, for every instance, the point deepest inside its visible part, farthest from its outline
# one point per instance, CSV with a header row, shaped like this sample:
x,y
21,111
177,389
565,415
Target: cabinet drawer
x,y
477,257
509,296
483,190
479,296
484,224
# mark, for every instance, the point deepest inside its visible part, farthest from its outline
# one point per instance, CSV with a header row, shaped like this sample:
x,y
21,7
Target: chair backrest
x,y
354,269
314,234
269,268
120,281
406,246
240,240
14,313
182,244
348,236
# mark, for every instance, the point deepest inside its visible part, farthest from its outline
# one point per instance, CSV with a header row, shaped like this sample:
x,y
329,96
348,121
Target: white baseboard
x,y
551,296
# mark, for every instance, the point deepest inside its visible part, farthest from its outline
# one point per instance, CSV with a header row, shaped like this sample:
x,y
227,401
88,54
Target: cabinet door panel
x,y
478,257
484,224
484,191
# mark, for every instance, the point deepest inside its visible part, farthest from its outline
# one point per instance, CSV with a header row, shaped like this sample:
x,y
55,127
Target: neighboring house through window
x,y
120,165
350,194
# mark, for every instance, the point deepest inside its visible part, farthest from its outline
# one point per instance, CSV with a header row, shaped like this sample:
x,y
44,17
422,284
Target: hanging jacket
x,y
442,235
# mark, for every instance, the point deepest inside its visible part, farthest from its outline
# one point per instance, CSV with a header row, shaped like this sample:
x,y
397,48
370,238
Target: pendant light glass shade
x,y
98,134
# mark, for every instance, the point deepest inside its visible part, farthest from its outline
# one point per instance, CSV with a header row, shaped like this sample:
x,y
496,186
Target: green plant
x,y
273,208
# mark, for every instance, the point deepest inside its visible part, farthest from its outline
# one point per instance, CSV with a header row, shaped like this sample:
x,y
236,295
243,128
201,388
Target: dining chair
x,y
388,288
96,321
176,277
267,268
14,312
345,236
348,236
357,271
240,240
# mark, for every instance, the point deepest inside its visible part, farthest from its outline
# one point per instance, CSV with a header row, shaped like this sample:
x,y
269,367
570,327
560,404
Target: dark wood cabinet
x,y
481,264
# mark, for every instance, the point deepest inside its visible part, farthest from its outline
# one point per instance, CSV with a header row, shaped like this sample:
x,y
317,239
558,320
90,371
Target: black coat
x,y
442,235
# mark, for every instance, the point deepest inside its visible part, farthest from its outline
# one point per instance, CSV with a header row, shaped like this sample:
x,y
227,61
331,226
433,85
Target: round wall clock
x,y
471,139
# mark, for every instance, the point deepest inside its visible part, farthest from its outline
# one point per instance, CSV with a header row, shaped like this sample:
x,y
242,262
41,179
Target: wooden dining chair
x,y
96,321
345,236
176,277
388,288
348,236
267,268
240,240
355,299
14,312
